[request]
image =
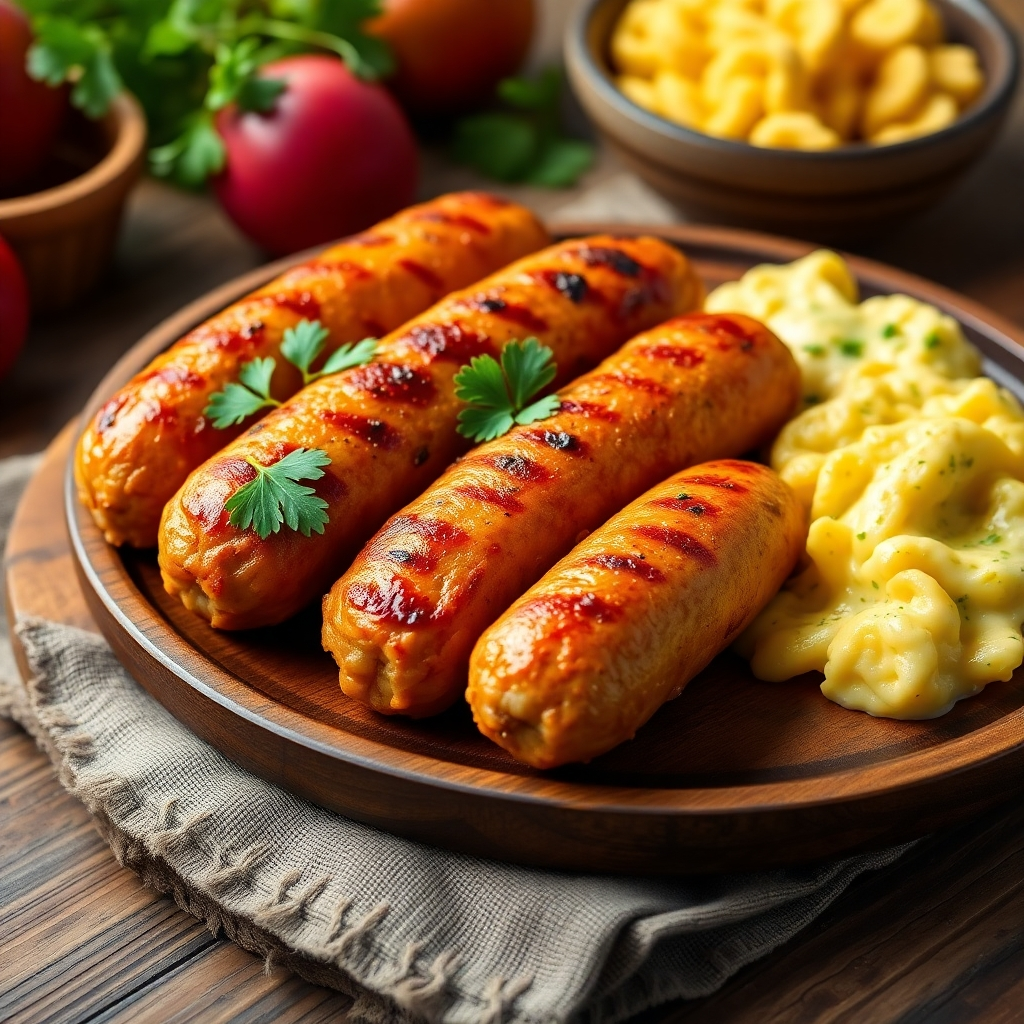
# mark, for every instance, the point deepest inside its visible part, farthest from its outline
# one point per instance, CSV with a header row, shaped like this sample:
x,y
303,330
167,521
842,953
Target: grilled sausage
x,y
145,440
634,612
401,623
389,427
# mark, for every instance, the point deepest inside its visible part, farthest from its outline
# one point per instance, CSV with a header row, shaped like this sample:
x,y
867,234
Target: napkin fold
x,y
410,931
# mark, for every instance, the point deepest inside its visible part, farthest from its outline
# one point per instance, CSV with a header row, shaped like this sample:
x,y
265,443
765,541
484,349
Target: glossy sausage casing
x,y
389,427
634,612
402,621
144,442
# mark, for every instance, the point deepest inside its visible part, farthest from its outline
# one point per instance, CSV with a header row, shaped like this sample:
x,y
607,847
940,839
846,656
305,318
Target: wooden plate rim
x,y
164,645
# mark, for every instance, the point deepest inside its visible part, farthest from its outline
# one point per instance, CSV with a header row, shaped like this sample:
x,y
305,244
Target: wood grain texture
x,y
732,775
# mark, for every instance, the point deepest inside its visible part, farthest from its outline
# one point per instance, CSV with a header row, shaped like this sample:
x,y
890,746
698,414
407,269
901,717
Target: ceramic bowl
x,y
64,234
852,191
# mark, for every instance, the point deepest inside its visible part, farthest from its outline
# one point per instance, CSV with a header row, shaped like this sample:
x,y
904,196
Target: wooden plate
x,y
733,774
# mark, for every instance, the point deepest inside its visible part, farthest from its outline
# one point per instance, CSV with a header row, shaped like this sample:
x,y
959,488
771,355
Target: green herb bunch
x,y
187,59
524,142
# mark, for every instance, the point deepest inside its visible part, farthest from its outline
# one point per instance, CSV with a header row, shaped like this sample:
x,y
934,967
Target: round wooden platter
x,y
734,774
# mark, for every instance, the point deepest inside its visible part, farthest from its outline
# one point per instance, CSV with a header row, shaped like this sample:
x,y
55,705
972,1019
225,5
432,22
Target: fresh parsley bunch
x,y
498,394
301,346
524,142
187,59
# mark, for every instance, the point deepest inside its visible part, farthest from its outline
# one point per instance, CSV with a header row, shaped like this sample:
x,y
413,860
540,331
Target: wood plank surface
x,y
938,938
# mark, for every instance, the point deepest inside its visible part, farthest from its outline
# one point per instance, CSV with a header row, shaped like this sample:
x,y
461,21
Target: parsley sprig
x,y
275,496
301,346
524,141
187,59
498,393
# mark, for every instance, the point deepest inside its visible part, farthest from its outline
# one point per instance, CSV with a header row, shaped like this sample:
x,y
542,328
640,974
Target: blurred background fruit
x,y
13,307
450,54
332,156
30,112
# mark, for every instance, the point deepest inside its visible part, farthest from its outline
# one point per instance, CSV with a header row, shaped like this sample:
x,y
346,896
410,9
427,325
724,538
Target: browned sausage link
x,y
389,427
402,621
634,612
147,438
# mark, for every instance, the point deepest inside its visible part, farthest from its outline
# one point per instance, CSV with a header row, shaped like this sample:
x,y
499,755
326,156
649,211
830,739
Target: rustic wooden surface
x,y
714,795
938,937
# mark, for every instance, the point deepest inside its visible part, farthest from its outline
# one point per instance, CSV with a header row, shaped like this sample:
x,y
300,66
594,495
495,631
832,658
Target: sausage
x,y
401,623
146,439
389,427
634,612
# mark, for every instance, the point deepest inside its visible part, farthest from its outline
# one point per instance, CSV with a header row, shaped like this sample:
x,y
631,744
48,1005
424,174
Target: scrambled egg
x,y
912,594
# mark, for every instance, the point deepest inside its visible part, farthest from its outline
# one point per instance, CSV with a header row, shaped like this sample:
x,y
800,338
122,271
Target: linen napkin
x,y
410,931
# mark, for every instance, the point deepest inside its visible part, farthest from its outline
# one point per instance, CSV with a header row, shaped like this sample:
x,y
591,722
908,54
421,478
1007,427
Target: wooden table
x,y
938,937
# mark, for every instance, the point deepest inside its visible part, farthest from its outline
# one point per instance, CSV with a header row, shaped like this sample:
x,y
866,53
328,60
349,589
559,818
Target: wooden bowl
x,y
734,774
64,235
854,191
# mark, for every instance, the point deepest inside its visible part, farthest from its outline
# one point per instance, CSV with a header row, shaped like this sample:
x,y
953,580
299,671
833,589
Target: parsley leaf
x,y
301,345
348,356
238,401
304,342
275,496
194,155
523,142
497,393
82,53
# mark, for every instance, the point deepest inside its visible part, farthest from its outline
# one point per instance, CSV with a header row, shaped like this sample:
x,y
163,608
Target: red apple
x,y
30,112
13,307
452,53
333,156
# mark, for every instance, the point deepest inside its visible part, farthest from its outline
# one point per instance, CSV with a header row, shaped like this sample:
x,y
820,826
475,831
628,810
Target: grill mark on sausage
x,y
683,542
107,415
392,382
714,480
400,602
696,508
727,330
304,303
513,312
322,267
423,274
450,342
366,428
503,497
373,328
435,531
634,383
172,375
369,240
626,563
590,410
573,286
607,256
518,466
417,561
231,339
458,220
678,355
566,613
558,440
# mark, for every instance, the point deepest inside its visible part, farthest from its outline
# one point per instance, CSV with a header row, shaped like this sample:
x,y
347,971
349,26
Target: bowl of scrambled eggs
x,y
823,118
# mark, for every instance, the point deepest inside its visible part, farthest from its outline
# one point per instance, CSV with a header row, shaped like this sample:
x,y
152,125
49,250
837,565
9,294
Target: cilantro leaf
x,y
303,343
236,402
65,50
539,410
497,393
193,156
275,496
528,368
348,356
524,142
